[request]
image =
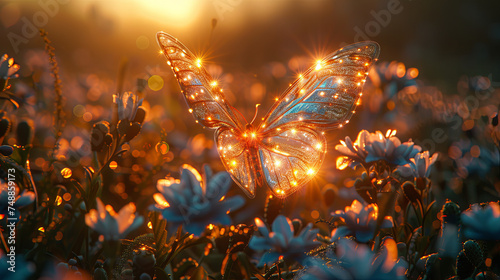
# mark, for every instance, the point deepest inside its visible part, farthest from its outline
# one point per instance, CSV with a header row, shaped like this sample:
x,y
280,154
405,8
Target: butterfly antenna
x,y
256,111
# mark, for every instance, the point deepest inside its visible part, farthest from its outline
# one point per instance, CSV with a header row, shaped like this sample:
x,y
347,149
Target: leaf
x,y
245,264
228,261
160,236
258,276
20,155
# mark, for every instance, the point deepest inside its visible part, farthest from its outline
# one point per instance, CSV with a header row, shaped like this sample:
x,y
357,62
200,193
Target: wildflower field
x,y
257,140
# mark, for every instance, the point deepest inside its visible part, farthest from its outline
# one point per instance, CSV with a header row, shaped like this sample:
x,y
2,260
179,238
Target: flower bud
x,y
4,126
464,267
100,274
451,213
473,252
140,115
97,135
24,133
6,150
144,262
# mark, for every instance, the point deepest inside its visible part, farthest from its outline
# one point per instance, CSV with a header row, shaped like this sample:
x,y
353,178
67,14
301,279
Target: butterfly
x,y
286,150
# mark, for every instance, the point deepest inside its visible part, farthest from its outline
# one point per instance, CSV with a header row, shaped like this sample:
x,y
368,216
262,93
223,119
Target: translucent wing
x,y
326,95
290,158
204,97
240,159
293,147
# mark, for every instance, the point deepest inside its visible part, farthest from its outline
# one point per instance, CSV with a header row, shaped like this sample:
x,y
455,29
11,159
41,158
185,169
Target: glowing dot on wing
x,y
318,65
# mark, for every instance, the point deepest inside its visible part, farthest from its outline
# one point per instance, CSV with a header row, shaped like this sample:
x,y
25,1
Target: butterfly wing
x,y
324,97
205,99
326,94
290,158
240,159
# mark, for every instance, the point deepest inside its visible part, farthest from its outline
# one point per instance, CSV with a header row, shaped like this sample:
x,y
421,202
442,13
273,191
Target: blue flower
x,y
21,200
390,149
482,221
281,242
112,225
360,221
357,261
127,103
419,166
354,153
371,147
196,202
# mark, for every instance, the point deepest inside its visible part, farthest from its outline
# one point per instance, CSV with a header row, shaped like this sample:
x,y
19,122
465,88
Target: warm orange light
x,y
113,165
413,73
259,222
342,163
58,200
66,173
318,65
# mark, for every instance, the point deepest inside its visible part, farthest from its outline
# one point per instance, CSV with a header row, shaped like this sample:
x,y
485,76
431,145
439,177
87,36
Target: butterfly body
x,y
287,148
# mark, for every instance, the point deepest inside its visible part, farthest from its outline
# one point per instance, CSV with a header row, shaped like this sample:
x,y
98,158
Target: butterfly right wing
x,y
205,99
290,158
324,97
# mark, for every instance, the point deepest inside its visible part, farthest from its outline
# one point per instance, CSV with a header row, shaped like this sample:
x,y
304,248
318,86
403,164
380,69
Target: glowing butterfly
x,y
287,148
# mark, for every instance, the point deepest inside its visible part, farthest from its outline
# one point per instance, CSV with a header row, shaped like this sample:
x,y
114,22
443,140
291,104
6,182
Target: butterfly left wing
x,y
205,99
323,98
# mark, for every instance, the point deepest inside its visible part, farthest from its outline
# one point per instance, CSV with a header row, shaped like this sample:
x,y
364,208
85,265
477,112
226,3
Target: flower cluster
x,y
281,242
419,166
195,201
370,147
356,261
